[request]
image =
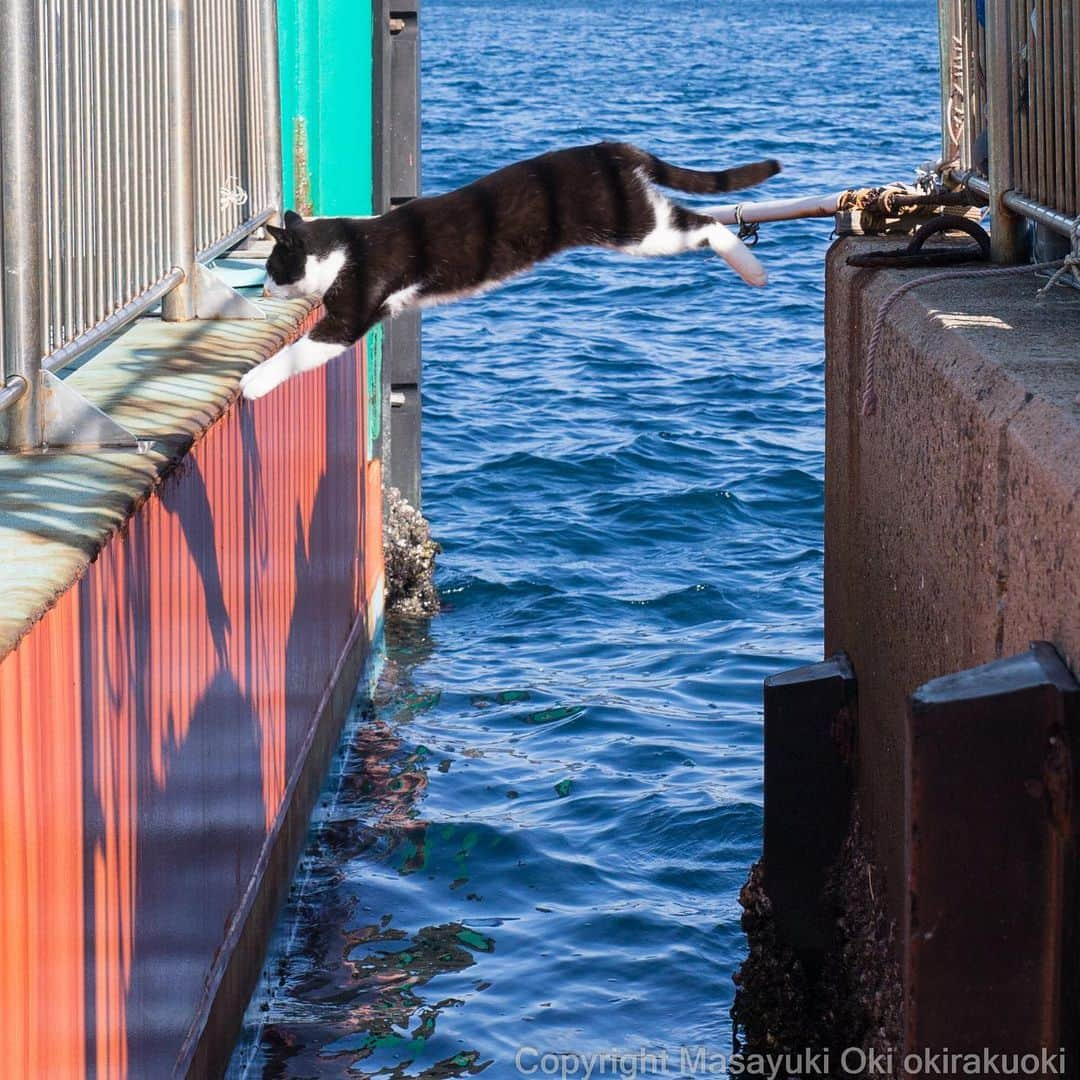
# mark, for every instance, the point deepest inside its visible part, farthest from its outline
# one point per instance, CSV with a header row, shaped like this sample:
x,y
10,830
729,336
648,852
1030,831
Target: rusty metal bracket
x,y
915,255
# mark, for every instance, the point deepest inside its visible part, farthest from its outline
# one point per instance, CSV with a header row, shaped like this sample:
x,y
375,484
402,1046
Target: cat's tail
x,y
697,182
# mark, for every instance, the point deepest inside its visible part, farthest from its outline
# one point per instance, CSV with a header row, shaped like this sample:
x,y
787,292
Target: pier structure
x,y
192,584
920,861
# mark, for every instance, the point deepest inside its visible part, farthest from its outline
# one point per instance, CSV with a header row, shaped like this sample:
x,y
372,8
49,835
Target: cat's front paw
x,y
260,380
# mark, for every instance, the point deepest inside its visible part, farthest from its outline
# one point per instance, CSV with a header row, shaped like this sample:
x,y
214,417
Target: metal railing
x,y
1011,91
137,140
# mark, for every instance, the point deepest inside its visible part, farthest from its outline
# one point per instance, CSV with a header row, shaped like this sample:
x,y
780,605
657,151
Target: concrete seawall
x,y
953,514
182,634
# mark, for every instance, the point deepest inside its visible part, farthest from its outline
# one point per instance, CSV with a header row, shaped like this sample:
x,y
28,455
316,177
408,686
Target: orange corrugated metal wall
x,y
152,719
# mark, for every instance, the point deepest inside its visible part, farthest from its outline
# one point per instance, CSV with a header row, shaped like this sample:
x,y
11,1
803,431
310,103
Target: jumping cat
x,y
436,249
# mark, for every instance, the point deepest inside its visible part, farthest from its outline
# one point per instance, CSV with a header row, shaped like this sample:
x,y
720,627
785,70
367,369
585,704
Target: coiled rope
x,y
1069,265
869,395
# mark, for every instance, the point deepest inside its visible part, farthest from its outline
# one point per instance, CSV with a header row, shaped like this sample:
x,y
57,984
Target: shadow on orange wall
x,y
153,718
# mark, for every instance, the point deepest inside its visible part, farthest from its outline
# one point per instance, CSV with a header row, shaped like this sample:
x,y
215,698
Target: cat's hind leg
x,y
706,230
677,229
330,337
737,255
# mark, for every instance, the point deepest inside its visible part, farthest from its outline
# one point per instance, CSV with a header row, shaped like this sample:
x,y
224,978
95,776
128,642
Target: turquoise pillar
x,y
325,49
326,61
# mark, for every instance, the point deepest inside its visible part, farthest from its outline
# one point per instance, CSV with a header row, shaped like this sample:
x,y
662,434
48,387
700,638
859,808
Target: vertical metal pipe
x,y
1061,106
271,106
179,305
1009,231
1068,103
20,152
1074,98
945,36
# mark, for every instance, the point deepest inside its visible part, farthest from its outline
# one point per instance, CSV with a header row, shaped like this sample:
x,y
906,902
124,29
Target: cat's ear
x,y
292,219
280,235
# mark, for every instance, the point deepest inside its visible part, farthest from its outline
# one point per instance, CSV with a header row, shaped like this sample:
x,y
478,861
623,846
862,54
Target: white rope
x,y
231,193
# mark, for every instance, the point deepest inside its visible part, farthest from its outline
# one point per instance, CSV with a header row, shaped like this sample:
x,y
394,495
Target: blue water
x,y
536,836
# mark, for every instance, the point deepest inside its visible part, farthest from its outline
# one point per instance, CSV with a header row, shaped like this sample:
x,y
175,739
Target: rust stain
x,y
301,173
152,719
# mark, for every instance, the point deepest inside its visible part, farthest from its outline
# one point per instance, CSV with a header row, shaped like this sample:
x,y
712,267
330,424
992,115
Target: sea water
x,y
534,838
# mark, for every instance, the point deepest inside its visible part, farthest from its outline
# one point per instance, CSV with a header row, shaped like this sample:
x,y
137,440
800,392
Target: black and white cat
x,y
434,250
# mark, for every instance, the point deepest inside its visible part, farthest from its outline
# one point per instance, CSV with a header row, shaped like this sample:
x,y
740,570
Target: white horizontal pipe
x,y
777,209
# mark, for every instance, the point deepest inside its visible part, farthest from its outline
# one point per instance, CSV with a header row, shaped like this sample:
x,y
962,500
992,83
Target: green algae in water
x,y
550,716
476,941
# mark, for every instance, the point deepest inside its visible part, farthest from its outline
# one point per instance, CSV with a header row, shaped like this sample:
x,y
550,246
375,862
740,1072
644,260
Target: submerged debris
x,y
409,553
855,1001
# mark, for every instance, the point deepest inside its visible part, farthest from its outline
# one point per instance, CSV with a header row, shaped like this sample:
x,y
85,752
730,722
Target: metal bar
x,y
114,321
1074,104
12,391
1019,204
1068,121
20,214
945,36
1008,238
179,305
271,106
1039,65
1055,144
1052,219
231,239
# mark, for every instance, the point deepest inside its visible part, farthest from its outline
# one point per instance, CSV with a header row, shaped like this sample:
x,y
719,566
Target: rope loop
x,y
231,194
748,230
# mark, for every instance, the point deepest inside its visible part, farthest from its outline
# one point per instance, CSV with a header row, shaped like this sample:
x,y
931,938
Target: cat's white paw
x,y
260,380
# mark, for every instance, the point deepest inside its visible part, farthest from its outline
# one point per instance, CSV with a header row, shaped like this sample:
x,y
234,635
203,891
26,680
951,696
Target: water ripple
x,y
539,832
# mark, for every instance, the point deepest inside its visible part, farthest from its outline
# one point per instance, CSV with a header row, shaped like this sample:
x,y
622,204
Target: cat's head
x,y
297,266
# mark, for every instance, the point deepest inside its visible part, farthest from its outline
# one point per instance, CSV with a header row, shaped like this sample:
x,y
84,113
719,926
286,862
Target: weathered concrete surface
x,y
952,528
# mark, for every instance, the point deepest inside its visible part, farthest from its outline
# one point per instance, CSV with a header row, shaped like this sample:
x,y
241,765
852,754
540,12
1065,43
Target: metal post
x,y
945,42
987,935
397,180
179,305
810,718
271,92
1009,234
20,153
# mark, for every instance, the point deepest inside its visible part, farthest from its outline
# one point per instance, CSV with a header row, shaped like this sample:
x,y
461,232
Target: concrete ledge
x,y
166,382
952,533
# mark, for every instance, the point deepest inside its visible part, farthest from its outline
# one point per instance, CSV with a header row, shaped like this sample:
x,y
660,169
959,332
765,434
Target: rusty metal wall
x,y
156,720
